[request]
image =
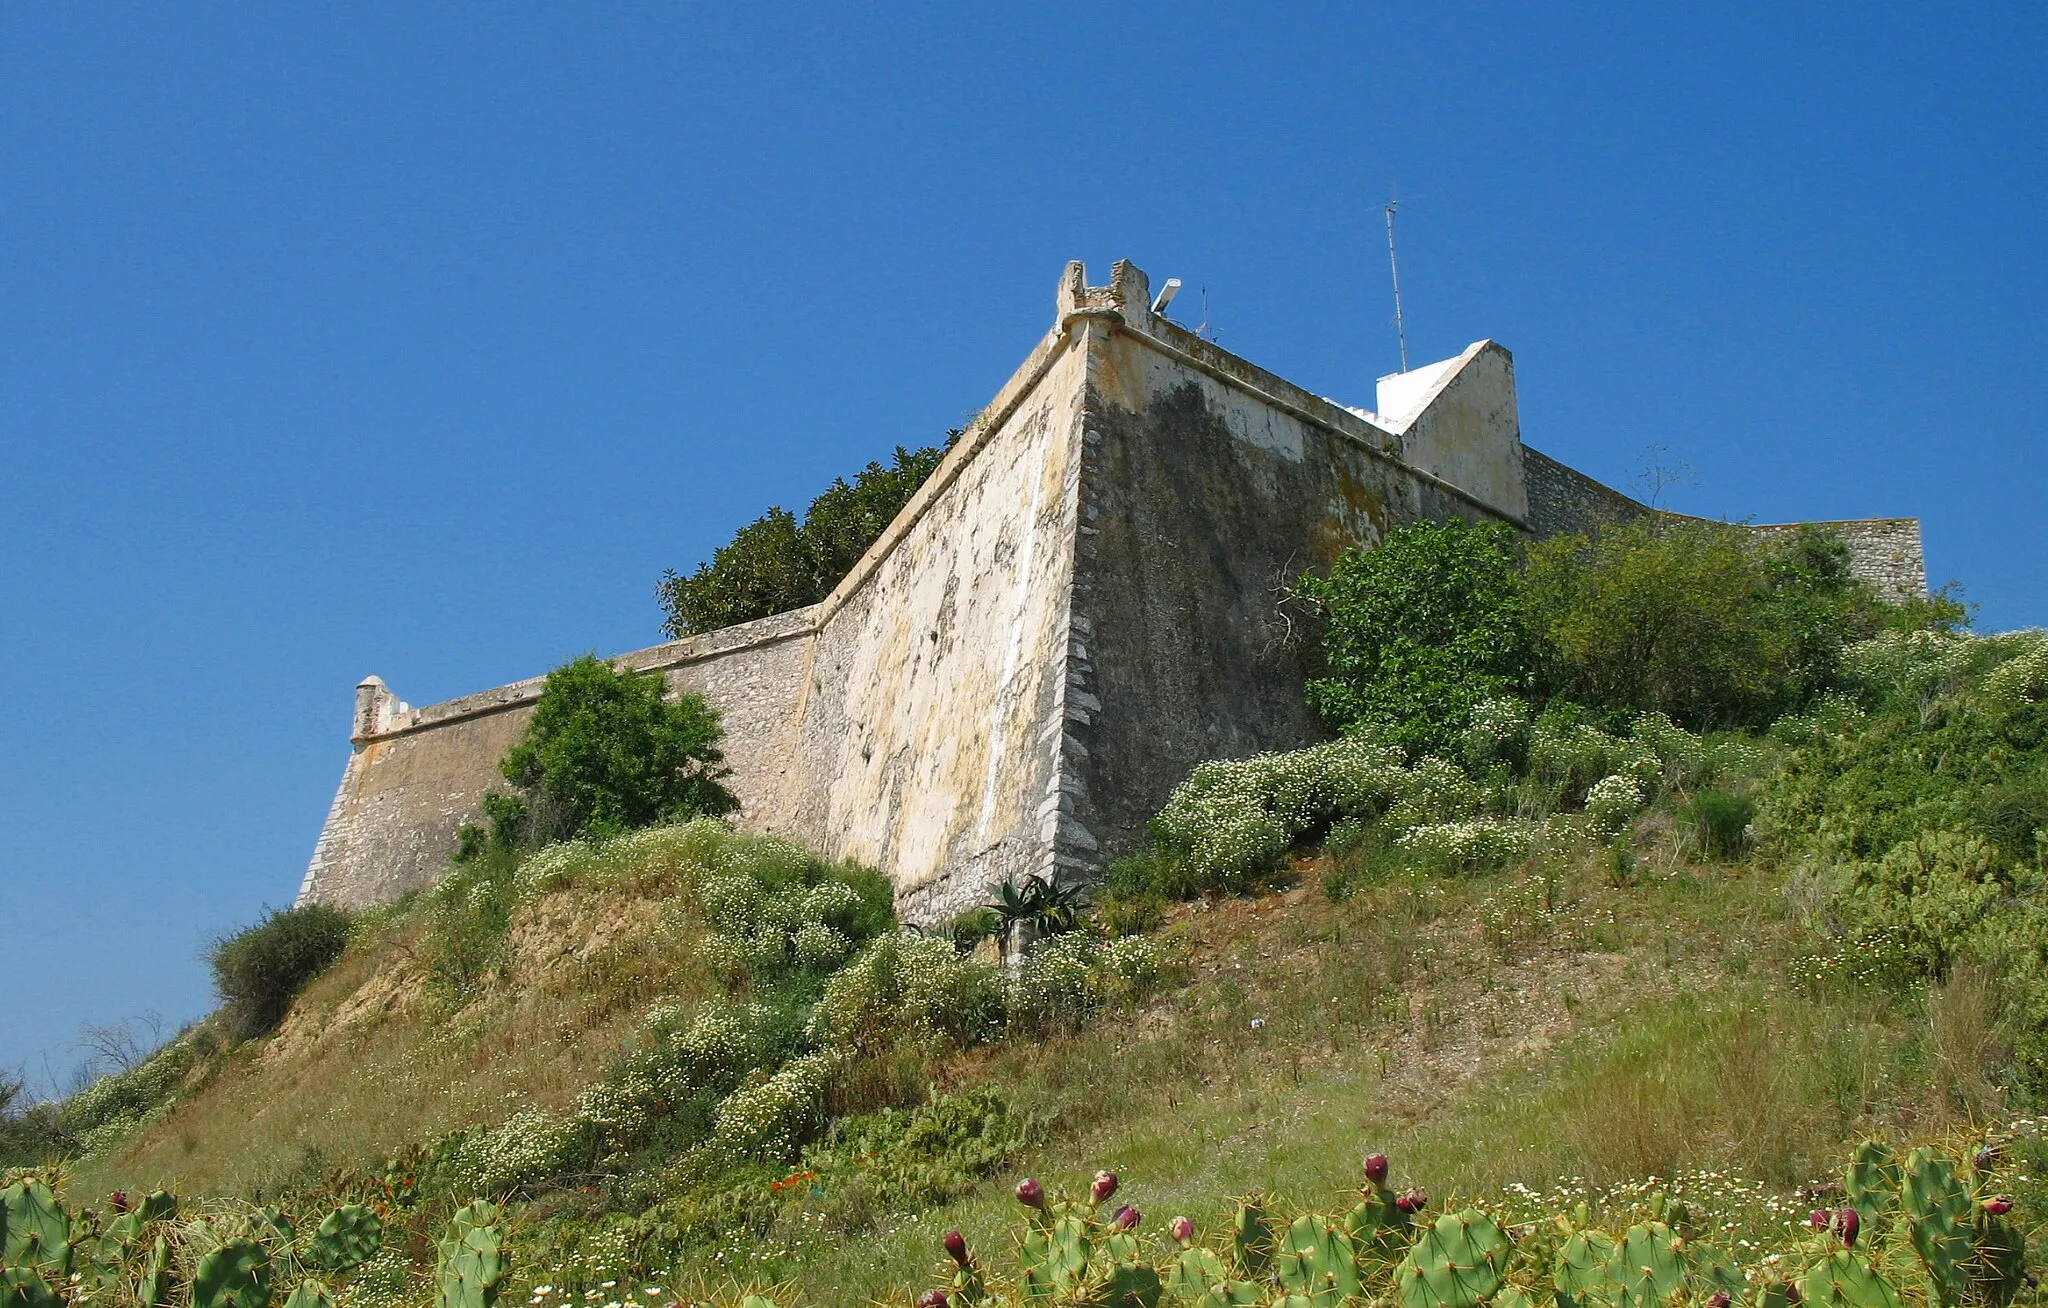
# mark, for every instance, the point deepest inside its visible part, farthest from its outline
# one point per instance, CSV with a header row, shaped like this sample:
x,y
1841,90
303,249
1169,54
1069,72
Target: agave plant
x,y
1043,904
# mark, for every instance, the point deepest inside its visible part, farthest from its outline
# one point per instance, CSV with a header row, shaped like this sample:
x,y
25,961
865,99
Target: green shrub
x,y
1699,620
258,971
1716,824
32,1133
606,753
1419,631
775,563
470,909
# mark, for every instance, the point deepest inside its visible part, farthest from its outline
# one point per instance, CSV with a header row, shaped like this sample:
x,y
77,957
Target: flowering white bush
x,y
772,1118
903,985
1231,820
1435,791
2023,678
1613,801
1496,726
1468,846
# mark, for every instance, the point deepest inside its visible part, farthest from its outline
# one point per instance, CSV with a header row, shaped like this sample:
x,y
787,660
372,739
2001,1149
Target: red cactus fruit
x,y
1126,1218
1719,1299
1845,1225
956,1245
1030,1193
1998,1205
932,1299
1818,1219
118,1201
1412,1201
1103,1187
1376,1168
1792,1294
1181,1229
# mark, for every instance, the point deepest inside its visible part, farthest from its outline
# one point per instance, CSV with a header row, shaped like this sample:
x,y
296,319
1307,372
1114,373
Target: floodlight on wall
x,y
1166,294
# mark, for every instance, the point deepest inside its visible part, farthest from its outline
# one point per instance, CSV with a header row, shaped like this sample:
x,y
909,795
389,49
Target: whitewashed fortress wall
x,y
1079,606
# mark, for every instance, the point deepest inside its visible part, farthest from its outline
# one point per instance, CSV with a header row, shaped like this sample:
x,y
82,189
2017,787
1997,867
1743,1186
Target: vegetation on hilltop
x,y
1551,919
777,563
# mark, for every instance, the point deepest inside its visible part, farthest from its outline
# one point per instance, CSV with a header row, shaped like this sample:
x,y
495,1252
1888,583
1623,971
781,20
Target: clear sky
x,y
418,338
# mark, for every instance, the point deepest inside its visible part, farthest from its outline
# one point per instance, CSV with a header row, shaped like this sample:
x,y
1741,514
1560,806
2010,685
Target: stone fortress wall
x,y
1077,607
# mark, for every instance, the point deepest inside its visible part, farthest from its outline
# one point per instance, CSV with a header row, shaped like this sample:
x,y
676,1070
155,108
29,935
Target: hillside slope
x,y
1491,1031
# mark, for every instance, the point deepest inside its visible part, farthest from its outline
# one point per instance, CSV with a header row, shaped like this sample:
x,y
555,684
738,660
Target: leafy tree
x,y
775,563
260,970
1420,630
1694,619
605,753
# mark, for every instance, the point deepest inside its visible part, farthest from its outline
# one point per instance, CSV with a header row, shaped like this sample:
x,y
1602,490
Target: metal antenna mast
x,y
1394,266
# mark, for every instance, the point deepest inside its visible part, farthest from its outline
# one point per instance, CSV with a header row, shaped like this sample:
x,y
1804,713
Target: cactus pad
x,y
348,1237
1647,1266
20,1287
1581,1271
1872,1182
1317,1260
236,1275
1842,1280
472,1265
1457,1263
36,1230
1937,1212
309,1293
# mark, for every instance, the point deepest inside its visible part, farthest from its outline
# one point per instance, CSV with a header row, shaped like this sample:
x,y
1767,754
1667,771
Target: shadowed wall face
x,y
1207,504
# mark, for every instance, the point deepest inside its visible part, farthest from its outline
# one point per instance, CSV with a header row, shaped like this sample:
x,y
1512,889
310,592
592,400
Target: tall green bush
x,y
1700,620
1419,631
258,971
606,753
776,563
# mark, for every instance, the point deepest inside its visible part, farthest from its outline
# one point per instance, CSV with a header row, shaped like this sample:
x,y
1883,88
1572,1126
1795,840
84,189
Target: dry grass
x,y
1533,1027
373,1056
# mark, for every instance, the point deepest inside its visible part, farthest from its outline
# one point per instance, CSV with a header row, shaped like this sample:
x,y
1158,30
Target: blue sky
x,y
419,338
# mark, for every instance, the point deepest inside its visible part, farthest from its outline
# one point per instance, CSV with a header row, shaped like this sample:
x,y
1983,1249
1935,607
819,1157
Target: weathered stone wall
x,y
1210,487
1081,604
1563,500
415,775
928,742
1884,552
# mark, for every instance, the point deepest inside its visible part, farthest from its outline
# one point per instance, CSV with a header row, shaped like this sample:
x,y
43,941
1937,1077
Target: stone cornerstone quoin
x,y
1078,607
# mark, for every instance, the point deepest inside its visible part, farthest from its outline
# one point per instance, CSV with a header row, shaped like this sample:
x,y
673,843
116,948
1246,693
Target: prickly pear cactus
x,y
1707,1270
21,1287
1457,1263
1053,1260
1580,1275
2001,1266
1379,1228
38,1234
1872,1182
1198,1279
309,1293
155,1288
1842,1280
236,1275
1512,1296
347,1237
1647,1267
1937,1210
473,1265
1251,1238
1128,1285
1318,1261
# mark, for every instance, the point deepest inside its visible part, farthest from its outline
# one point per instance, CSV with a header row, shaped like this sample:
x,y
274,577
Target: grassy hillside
x,y
1490,1031
1567,961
